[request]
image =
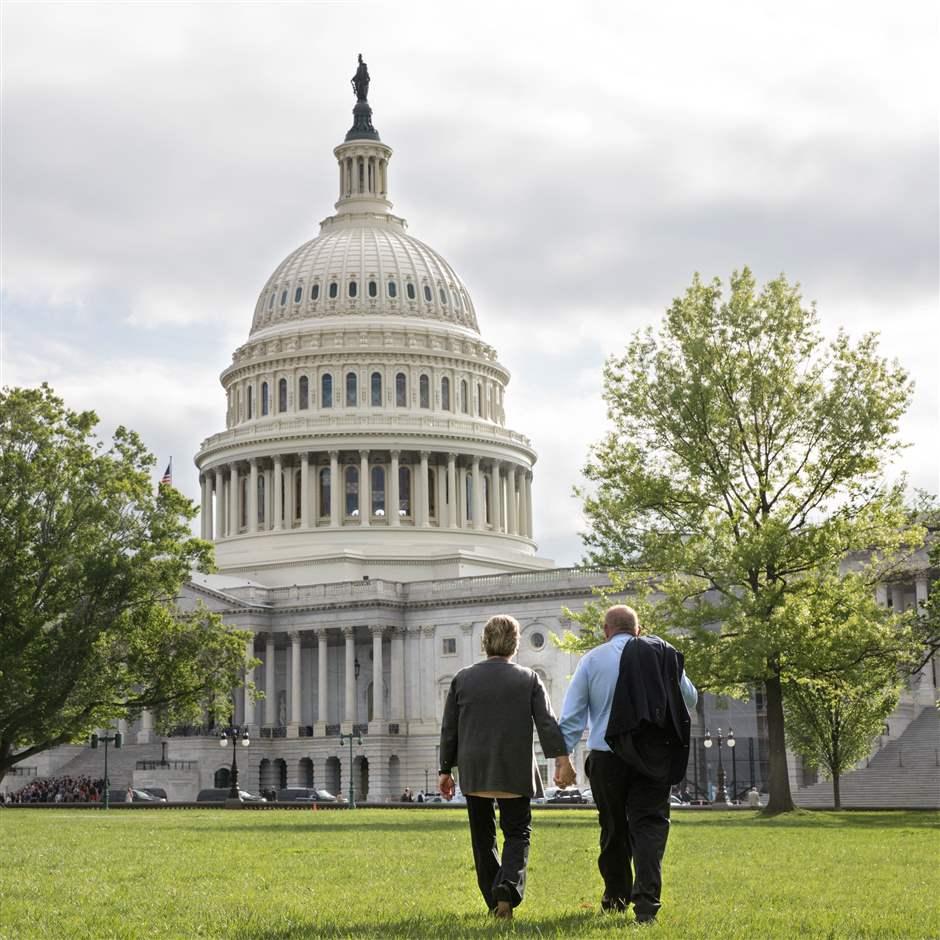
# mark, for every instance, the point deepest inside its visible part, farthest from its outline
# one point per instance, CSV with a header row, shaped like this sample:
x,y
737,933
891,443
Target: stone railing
x,y
262,429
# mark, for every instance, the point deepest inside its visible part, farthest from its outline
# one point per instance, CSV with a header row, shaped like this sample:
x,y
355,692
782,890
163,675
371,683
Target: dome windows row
x,y
458,395
352,289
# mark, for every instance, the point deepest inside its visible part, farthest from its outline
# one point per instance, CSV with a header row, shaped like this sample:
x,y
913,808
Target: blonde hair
x,y
501,636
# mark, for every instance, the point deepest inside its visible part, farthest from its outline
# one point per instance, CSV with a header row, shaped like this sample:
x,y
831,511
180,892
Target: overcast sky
x,y
575,163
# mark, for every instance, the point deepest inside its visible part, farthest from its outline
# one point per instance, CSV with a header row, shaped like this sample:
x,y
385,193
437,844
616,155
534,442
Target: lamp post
x,y
426,782
343,738
234,734
721,795
118,740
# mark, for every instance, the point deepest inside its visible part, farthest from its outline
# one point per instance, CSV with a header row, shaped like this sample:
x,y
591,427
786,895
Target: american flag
x,y
167,477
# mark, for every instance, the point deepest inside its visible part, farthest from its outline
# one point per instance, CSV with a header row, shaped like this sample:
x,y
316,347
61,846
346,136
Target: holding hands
x,y
565,774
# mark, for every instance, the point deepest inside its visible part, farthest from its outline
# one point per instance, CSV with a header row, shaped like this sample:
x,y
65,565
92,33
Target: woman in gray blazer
x,y
487,734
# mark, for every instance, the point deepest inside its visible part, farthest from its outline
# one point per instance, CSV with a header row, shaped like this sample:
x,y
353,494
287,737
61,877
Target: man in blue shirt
x,y
633,810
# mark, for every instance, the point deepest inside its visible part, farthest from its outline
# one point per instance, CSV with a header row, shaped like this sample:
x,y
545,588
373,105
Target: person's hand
x,y
565,774
445,783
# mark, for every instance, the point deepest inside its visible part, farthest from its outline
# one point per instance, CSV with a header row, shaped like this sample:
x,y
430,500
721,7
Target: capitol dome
x,y
365,424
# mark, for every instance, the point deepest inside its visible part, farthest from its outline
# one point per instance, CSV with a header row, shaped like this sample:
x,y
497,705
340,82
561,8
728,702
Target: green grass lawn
x,y
263,875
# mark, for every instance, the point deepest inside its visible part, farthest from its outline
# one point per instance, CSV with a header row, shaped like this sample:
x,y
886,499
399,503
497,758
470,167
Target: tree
x,y
831,723
744,470
91,564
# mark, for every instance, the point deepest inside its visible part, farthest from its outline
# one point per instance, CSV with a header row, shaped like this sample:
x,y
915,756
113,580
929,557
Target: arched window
x,y
283,296
479,399
325,492
445,393
376,383
303,393
264,399
298,294
427,293
378,491
410,291
424,391
350,389
443,294
373,289
353,288
315,292
282,396
261,498
432,492
326,391
401,390
352,491
251,402
464,403
271,301
334,290
404,491
392,289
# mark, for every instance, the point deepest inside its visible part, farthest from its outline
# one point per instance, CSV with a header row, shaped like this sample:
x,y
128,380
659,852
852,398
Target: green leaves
x,y
744,471
91,563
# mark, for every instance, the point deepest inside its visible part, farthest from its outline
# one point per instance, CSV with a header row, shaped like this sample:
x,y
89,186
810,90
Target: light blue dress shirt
x,y
591,693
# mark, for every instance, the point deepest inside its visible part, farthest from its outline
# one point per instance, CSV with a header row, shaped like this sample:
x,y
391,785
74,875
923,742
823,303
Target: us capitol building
x,y
371,510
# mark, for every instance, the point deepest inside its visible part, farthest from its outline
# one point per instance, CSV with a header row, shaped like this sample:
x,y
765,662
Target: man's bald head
x,y
621,619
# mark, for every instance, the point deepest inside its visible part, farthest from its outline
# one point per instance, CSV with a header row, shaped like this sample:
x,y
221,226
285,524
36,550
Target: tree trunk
x,y
836,797
780,799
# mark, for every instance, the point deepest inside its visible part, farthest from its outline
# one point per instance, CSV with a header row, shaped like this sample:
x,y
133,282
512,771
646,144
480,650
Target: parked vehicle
x,y
571,795
304,795
220,795
139,796
158,792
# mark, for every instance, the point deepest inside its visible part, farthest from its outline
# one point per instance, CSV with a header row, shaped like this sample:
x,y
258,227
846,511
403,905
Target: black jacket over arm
x,y
649,725
486,731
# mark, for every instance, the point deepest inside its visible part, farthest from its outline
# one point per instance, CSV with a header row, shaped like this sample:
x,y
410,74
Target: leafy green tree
x,y
744,467
91,563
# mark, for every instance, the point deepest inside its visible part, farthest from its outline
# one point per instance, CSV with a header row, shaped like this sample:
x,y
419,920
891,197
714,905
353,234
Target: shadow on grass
x,y
347,824
819,819
464,926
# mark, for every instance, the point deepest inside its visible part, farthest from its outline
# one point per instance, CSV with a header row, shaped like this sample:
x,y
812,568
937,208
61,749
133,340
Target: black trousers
x,y
634,815
500,879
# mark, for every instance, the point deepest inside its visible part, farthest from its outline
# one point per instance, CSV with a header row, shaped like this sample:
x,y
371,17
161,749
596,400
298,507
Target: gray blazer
x,y
487,728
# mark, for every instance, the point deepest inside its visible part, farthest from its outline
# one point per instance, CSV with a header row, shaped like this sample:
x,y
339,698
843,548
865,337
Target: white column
x,y
422,490
349,710
462,497
335,489
530,529
289,490
270,703
920,592
269,500
365,490
398,676
145,734
477,506
253,495
440,476
428,705
378,682
233,488
501,498
295,681
391,509
881,594
467,630
452,485
249,705
511,500
278,489
493,496
204,507
322,700
305,490
219,503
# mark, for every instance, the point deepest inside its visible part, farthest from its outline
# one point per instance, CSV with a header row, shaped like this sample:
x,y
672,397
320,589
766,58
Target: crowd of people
x,y
59,790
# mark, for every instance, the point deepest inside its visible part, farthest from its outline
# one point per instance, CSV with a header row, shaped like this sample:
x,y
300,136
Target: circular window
x,y
536,640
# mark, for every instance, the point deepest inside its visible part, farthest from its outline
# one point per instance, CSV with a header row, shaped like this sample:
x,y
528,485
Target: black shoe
x,y
646,919
617,905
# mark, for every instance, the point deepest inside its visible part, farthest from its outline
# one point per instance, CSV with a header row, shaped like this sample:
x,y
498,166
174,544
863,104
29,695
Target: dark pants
x,y
634,816
500,879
